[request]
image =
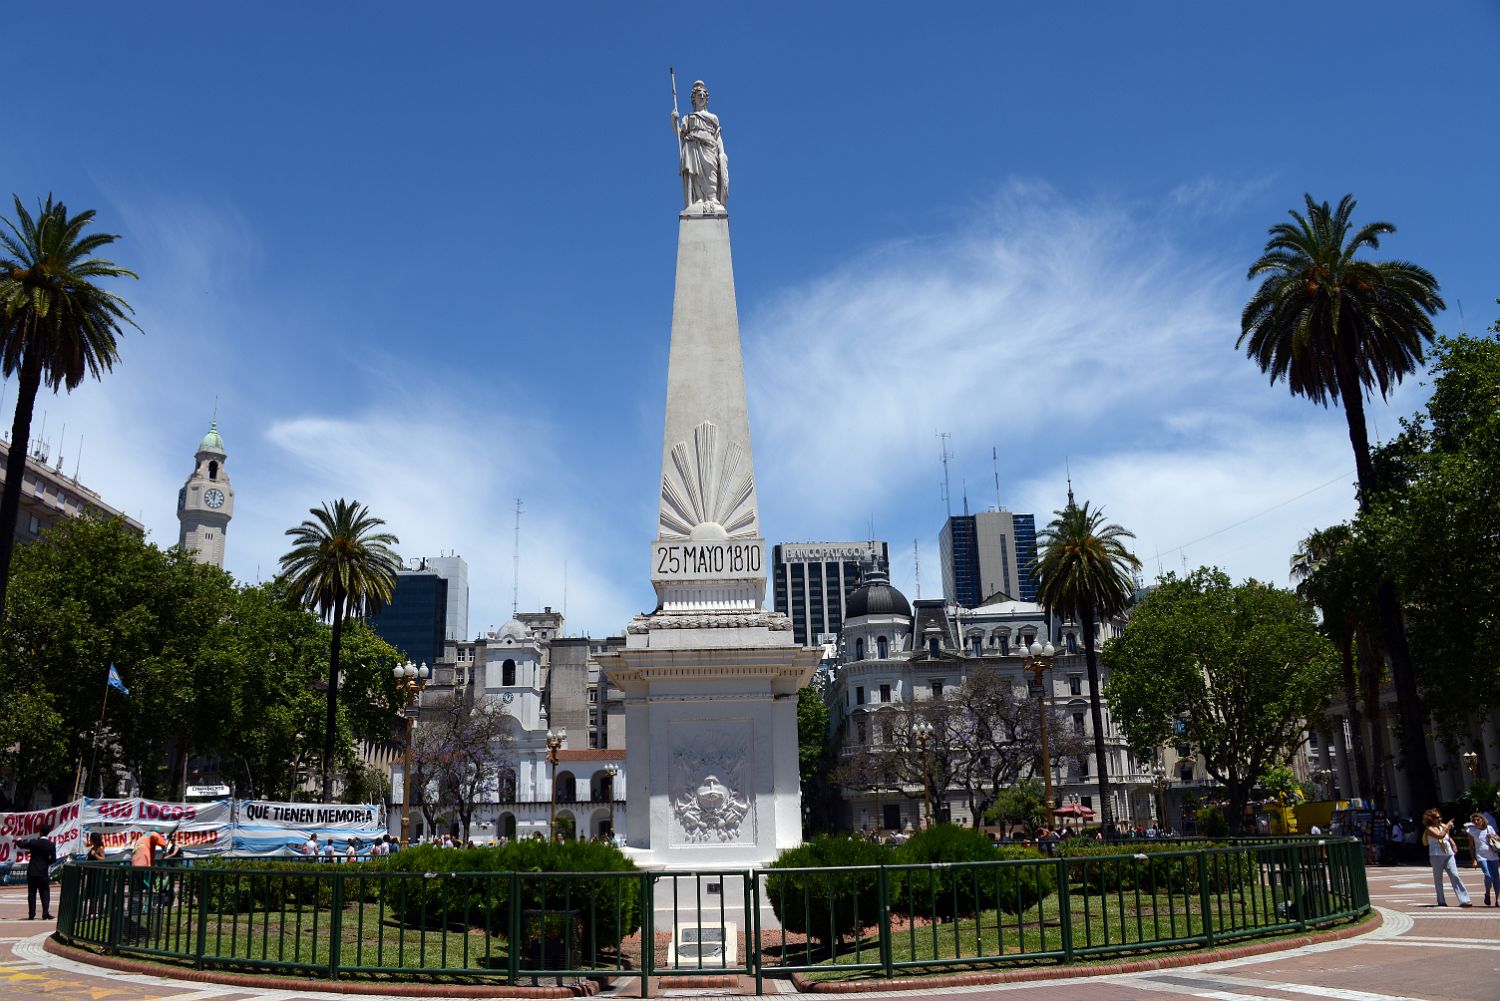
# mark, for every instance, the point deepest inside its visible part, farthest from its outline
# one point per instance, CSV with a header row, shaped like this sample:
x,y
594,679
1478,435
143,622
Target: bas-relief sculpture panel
x,y
710,782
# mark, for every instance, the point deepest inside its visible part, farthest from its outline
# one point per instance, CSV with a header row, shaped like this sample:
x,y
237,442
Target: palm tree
x,y
1335,327
1083,573
1321,571
56,325
340,566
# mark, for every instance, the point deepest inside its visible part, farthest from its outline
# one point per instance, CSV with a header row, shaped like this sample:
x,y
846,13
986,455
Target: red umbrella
x,y
1074,810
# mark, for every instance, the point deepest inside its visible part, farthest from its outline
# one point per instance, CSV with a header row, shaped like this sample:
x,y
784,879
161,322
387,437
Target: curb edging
x,y
806,986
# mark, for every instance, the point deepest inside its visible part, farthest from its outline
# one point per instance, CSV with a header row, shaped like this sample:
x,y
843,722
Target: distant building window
x,y
213,469
593,717
932,646
882,646
859,695
976,644
1083,768
1087,801
887,733
508,673
34,525
885,693
593,740
1312,738
1187,773
1005,646
1071,641
1078,724
593,695
937,687
1075,684
862,732
859,649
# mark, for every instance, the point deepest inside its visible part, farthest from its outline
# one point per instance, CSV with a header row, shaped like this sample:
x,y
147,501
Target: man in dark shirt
x,y
39,875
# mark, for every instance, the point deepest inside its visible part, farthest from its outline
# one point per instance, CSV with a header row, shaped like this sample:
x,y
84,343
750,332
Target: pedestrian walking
x,y
1443,855
39,875
1486,844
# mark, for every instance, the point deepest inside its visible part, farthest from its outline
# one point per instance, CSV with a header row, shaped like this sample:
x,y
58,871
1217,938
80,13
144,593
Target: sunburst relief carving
x,y
708,486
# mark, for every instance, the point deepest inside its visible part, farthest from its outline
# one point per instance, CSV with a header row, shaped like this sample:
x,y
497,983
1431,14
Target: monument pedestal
x,y
712,750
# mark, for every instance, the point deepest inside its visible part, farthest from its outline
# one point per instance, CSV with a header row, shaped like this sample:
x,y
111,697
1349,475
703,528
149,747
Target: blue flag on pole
x,y
115,682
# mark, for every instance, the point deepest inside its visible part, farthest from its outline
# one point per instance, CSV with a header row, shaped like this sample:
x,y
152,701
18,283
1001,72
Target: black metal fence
x,y
359,921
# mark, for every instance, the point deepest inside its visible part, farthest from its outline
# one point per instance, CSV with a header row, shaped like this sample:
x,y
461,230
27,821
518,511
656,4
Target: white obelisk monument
x,y
710,677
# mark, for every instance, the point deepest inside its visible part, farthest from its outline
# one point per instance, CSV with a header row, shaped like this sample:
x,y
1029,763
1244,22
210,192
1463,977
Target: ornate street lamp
x,y
410,680
1471,762
613,771
1159,779
555,740
1036,660
922,730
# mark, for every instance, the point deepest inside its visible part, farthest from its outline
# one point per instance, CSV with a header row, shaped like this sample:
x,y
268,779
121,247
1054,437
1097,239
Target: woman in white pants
x,y
1443,855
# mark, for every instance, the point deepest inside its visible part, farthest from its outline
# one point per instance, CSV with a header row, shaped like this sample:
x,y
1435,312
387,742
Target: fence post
x,y
1295,854
648,931
752,946
886,961
67,896
1203,902
513,929
1064,908
201,948
116,904
335,925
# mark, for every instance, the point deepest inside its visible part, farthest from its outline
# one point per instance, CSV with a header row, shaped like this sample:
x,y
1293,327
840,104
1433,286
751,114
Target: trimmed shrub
x,y
1211,823
1164,869
940,891
835,902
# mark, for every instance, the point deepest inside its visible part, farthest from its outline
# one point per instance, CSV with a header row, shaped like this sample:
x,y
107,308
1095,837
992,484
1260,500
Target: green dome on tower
x,y
212,439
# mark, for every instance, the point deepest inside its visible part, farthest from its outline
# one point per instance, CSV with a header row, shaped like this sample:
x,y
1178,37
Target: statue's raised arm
x,y
705,165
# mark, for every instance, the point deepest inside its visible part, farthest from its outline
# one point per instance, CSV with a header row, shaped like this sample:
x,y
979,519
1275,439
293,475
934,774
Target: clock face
x,y
213,497
508,698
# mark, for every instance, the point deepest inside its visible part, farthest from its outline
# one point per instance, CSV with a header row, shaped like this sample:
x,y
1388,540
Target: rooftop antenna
x,y
995,462
965,483
1067,466
40,452
515,586
61,443
943,437
916,566
77,459
565,590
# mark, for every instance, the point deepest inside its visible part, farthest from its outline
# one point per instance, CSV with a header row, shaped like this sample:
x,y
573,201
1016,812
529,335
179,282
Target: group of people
x,y
1442,853
354,850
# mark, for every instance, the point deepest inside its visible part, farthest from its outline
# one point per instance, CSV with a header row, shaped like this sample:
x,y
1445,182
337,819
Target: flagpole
x,y
94,756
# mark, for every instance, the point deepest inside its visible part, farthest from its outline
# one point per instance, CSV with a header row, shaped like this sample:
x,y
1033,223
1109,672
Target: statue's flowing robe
x,y
705,165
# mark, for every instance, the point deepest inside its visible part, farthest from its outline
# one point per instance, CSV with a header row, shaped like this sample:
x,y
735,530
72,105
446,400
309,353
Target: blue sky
x,y
423,256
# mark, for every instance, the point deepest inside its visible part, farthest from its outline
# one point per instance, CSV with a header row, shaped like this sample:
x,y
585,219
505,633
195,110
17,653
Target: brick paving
x,y
1419,953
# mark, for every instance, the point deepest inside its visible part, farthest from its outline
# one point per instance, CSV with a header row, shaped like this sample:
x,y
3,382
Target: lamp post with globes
x,y
555,740
1036,659
410,680
922,730
1159,779
1471,762
613,771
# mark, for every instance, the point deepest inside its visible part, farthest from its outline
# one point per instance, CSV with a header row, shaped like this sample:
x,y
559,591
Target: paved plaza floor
x,y
1420,953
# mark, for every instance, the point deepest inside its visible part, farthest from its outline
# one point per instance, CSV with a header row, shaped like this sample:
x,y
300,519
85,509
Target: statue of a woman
x,y
705,165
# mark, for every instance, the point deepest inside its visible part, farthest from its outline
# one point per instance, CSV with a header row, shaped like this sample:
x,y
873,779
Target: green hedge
x,y
831,905
936,891
470,887
1226,869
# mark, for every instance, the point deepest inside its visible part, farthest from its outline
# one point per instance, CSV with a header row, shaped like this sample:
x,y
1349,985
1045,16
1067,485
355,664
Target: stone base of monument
x,y
711,710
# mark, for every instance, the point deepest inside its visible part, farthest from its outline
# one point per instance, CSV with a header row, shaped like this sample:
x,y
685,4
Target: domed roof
x,y
212,439
876,596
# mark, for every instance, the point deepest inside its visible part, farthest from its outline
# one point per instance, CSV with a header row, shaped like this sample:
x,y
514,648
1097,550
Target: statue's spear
x,y
672,72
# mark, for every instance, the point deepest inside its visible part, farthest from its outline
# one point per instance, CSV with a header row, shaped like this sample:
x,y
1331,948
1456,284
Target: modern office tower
x,y
813,581
988,553
455,570
415,620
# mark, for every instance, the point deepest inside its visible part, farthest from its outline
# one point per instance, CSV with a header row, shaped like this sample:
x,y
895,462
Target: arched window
x,y
976,644
1005,646
508,673
859,649
932,645
1071,642
213,469
508,786
887,732
882,646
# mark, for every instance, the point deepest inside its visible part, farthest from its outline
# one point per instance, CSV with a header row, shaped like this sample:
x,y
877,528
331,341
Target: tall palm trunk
x,y
333,698
1356,718
1408,699
15,466
1096,712
1370,666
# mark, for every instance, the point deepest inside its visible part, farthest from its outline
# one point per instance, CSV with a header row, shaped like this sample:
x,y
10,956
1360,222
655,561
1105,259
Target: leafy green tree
x,y
341,565
1325,575
1020,805
1335,326
1084,573
56,325
813,757
1242,667
1437,527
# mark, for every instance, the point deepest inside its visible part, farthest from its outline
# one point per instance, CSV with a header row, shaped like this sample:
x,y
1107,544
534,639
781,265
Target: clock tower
x,y
206,502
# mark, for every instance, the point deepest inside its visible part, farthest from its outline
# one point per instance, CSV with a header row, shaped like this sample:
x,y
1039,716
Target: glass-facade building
x,y
811,583
989,553
415,620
